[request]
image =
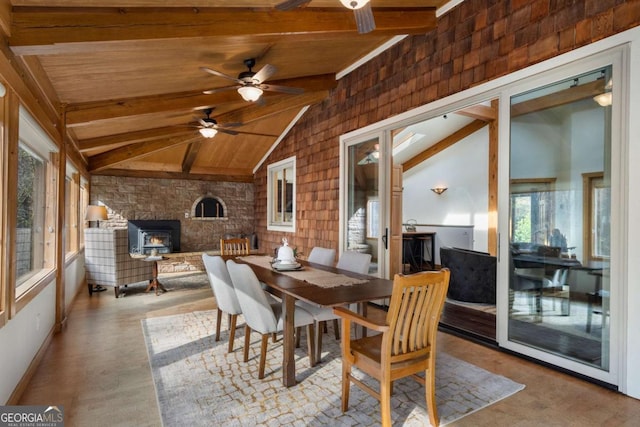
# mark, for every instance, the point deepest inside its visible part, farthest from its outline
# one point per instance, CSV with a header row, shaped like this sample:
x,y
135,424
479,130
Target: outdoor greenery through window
x,y
31,215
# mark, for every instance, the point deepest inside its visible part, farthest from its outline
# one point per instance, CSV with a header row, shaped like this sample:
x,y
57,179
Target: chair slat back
x,y
414,312
235,246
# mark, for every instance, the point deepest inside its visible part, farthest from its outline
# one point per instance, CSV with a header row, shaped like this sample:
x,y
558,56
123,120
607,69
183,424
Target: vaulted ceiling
x,y
128,75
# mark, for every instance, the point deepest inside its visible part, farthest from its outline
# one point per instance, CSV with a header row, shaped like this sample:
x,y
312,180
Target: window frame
x,y
590,182
275,194
31,136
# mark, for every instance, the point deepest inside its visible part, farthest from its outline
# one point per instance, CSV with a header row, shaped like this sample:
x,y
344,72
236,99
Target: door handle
x,y
385,238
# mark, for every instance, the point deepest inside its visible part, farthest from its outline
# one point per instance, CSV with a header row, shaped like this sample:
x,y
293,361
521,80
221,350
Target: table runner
x,y
322,278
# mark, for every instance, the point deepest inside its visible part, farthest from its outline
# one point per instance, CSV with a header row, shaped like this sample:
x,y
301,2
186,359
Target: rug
x,y
199,384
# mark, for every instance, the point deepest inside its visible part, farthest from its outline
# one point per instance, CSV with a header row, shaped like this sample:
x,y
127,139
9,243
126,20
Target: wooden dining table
x,y
290,289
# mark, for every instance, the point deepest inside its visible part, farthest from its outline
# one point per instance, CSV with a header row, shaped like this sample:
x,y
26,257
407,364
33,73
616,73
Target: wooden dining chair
x,y
238,246
263,317
405,344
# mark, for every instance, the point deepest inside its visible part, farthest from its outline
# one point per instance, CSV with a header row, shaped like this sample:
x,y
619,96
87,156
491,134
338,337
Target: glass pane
x,y
363,175
560,219
30,222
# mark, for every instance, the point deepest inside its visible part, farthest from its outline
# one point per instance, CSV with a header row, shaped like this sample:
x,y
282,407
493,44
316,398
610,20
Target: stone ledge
x,y
181,262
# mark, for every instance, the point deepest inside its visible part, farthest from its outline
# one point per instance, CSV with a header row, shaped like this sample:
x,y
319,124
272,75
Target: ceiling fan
x,y
209,126
361,10
250,84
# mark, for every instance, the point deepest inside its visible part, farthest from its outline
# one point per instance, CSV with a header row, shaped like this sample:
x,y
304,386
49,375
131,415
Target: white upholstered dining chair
x,y
321,315
225,294
261,316
356,262
324,256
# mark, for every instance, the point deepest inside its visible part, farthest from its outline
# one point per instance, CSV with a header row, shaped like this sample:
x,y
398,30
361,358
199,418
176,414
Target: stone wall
x,y
477,41
146,198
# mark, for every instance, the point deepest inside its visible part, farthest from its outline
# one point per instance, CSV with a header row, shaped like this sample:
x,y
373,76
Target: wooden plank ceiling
x,y
128,74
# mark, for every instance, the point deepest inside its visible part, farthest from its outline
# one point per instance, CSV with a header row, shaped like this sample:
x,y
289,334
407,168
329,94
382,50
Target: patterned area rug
x,y
199,384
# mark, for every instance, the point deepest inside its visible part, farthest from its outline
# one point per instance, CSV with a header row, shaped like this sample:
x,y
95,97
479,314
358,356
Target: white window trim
x,y
274,167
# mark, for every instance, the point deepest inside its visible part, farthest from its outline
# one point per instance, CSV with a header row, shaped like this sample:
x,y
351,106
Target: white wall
x,y
74,280
464,169
22,337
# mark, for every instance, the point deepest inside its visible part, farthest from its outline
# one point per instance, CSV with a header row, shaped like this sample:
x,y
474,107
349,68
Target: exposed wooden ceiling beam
x,y
78,114
443,144
479,112
33,27
191,155
114,157
225,175
132,137
556,99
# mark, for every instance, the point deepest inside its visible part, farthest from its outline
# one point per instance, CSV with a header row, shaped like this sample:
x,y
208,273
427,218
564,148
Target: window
x,y
71,213
373,218
281,191
82,211
31,219
597,230
532,204
35,218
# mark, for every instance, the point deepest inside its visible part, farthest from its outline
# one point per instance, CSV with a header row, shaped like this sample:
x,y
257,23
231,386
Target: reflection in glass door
x,y
560,213
364,229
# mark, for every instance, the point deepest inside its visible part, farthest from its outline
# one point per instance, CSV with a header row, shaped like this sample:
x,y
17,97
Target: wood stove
x,y
158,240
145,236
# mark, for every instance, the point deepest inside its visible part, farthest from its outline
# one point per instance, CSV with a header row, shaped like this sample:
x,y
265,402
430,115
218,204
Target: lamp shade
x,y
250,93
96,213
208,132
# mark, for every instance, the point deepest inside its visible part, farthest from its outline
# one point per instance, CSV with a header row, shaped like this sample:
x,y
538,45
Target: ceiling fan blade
x,y
227,131
219,74
282,89
264,73
291,4
231,125
364,19
203,123
219,89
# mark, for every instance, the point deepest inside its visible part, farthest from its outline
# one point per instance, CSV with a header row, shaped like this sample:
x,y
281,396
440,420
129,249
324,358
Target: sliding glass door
x,y
560,222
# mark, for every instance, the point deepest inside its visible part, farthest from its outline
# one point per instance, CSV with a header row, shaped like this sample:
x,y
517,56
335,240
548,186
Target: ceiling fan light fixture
x,y
250,93
208,132
354,4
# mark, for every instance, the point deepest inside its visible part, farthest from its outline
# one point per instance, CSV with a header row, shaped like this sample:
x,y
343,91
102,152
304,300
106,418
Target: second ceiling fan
x,y
361,10
250,85
209,127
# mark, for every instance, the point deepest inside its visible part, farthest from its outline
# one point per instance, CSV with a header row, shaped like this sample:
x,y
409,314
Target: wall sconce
x,y
439,190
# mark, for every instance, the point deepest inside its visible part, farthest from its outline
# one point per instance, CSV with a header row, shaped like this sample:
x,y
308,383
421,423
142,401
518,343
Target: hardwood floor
x,y
99,371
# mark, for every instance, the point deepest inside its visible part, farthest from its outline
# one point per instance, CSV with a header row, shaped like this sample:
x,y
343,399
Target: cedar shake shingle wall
x,y
475,42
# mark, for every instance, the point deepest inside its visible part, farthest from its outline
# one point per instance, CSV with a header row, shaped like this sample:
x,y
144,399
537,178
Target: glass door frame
x,y
617,58
384,190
